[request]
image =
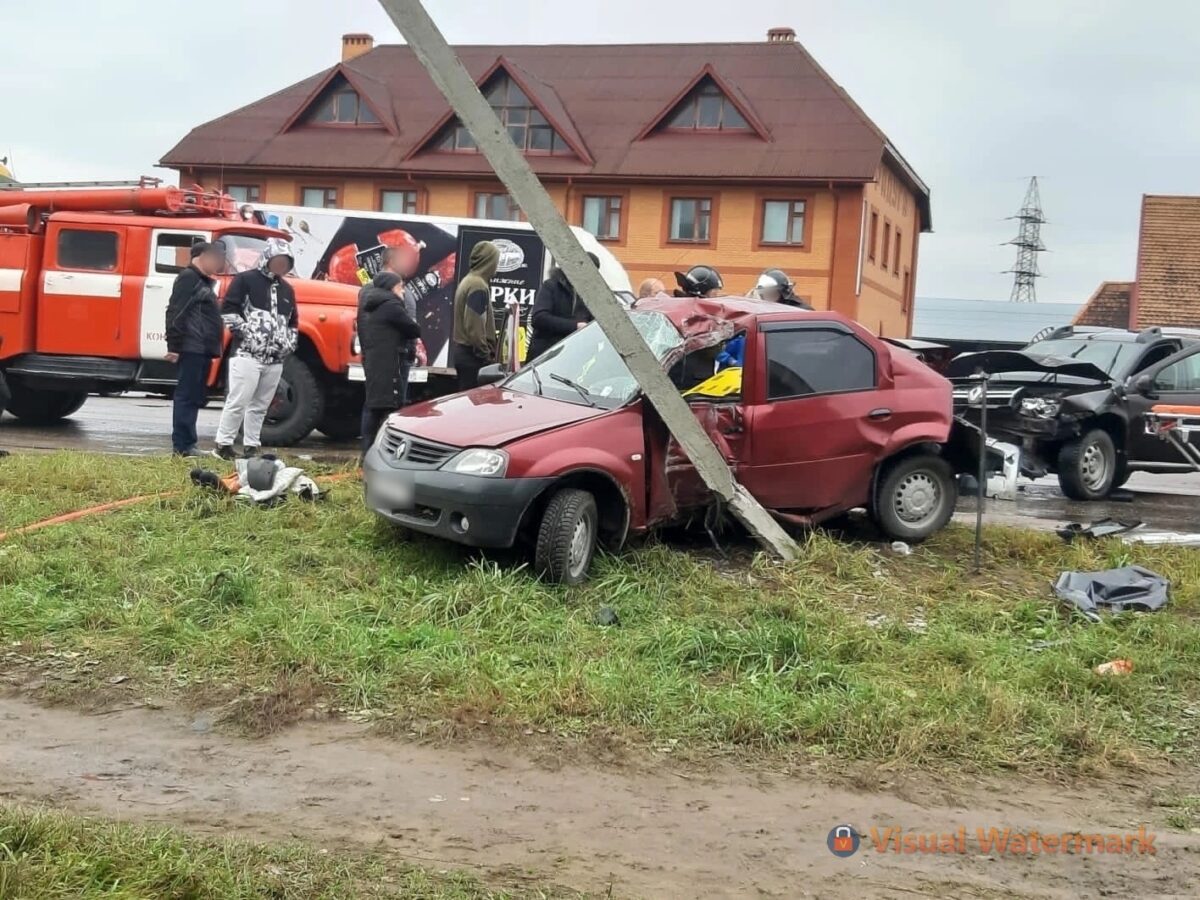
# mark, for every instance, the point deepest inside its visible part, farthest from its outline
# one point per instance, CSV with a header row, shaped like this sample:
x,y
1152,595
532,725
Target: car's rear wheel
x,y
916,497
1087,466
566,541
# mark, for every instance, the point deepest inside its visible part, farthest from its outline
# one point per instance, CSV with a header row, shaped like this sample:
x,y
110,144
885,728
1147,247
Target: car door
x,y
1174,382
170,254
819,419
79,310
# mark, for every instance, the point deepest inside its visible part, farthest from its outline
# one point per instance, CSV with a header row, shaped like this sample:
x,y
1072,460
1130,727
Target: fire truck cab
x,y
85,276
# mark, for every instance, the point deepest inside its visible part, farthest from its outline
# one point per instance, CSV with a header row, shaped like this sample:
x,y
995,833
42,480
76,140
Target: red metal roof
x,y
604,95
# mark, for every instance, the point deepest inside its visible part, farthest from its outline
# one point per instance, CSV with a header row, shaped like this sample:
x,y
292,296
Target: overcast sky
x,y
1101,98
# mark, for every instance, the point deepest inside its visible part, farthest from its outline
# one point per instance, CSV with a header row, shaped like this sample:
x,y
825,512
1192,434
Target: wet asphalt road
x,y
141,425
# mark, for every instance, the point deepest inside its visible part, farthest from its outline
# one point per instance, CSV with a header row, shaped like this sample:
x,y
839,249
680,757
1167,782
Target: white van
x,y
346,245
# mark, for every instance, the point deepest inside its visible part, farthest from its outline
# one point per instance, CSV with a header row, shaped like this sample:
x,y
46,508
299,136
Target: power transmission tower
x,y
1029,244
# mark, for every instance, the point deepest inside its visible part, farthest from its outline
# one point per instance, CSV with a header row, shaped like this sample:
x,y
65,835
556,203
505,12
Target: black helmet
x,y
699,280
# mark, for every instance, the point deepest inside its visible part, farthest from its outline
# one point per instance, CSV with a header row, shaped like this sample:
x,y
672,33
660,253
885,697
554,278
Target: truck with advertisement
x,y
86,271
85,276
346,246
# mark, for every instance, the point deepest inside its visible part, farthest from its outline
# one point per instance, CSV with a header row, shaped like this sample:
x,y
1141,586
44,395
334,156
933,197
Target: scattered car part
x,y
1101,529
1113,590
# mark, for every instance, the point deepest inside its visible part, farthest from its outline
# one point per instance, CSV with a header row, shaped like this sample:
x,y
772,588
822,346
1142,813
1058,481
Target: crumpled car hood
x,y
1000,361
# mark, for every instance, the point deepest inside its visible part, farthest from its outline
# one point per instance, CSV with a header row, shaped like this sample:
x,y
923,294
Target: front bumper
x,y
441,503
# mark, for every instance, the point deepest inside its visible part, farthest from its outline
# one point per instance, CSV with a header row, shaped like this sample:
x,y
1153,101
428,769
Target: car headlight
x,y
478,461
1040,407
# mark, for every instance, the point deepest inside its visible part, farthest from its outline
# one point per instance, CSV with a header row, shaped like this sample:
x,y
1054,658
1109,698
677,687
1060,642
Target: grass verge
x,y
850,653
48,856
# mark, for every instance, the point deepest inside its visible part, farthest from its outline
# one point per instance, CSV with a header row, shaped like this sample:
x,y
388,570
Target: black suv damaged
x,y
1075,401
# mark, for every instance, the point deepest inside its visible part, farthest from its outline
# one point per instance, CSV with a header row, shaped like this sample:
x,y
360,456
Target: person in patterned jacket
x,y
260,312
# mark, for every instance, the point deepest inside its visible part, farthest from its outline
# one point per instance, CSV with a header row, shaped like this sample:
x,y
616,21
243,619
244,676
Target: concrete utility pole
x,y
453,80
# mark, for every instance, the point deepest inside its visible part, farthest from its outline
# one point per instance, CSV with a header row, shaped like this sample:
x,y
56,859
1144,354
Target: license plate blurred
x,y
391,492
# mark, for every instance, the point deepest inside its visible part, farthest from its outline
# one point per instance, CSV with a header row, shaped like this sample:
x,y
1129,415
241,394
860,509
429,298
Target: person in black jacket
x,y
194,337
260,310
558,311
384,330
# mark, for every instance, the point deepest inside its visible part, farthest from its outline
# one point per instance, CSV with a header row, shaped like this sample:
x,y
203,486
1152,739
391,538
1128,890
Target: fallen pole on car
x,y
455,83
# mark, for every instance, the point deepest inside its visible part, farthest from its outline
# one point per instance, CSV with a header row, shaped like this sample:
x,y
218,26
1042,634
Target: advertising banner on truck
x,y
334,246
522,264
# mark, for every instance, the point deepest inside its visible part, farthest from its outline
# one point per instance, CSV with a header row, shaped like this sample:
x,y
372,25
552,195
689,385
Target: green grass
x,y
851,653
49,856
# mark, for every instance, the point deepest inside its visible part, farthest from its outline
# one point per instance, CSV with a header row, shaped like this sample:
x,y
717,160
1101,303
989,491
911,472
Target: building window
x,y
783,222
602,217
341,105
497,206
525,123
707,109
904,294
95,250
887,243
873,236
691,219
404,202
244,193
896,255
817,361
319,197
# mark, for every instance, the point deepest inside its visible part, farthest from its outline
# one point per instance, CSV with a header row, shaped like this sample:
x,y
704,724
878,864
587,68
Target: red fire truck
x,y
85,275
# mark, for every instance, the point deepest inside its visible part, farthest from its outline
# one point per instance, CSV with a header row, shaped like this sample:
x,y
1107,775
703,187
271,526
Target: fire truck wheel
x,y
298,406
342,424
43,407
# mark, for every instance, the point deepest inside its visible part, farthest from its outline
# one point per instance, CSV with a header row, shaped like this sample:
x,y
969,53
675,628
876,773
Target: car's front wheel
x,y
1087,466
916,497
566,541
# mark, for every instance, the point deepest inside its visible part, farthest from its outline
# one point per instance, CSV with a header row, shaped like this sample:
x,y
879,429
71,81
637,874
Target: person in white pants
x,y
260,311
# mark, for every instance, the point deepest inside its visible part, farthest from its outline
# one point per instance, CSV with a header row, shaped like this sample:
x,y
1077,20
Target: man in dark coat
x,y
195,334
557,312
384,330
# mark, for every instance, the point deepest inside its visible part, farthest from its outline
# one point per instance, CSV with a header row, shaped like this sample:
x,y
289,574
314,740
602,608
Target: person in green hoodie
x,y
475,340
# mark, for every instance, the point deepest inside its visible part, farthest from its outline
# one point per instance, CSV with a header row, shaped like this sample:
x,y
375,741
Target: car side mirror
x,y
492,374
1144,385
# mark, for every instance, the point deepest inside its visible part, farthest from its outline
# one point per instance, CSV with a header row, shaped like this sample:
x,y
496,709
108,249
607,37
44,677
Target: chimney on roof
x,y
781,36
355,45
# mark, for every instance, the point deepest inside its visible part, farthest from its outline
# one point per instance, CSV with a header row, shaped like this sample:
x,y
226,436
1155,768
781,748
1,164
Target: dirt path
x,y
661,834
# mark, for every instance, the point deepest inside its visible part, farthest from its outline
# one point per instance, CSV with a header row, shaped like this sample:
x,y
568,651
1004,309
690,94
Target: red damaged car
x,y
815,414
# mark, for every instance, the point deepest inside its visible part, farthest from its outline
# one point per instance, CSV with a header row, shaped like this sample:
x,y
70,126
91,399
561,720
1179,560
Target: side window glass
x,y
1158,354
716,378
173,252
817,361
1181,376
96,250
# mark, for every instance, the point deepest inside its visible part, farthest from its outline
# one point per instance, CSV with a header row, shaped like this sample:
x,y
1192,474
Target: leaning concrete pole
x,y
481,121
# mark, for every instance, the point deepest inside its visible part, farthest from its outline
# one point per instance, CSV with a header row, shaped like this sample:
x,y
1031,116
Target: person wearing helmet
x,y
260,312
699,281
775,287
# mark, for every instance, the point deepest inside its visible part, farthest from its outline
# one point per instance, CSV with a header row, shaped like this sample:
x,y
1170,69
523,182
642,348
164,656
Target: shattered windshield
x,y
585,368
1111,356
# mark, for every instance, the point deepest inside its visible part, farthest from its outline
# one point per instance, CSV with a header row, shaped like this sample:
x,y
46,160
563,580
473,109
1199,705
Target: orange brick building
x,y
740,156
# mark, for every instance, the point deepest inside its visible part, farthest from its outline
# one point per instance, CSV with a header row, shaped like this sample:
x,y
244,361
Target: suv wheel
x,y
916,497
1087,466
566,540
